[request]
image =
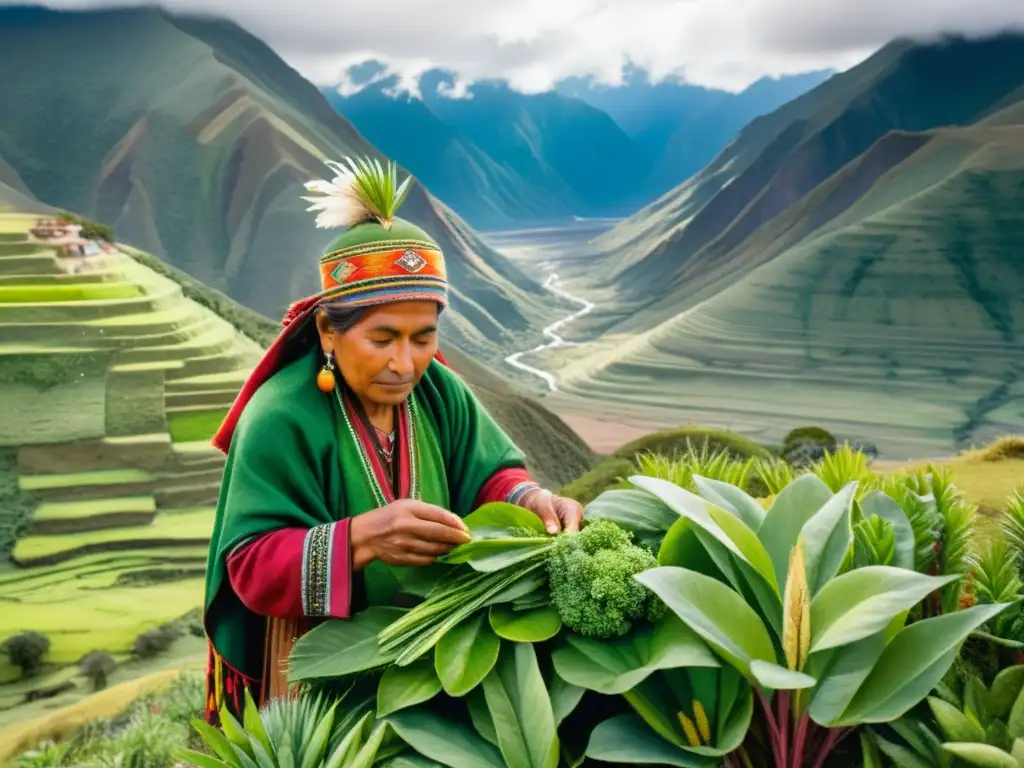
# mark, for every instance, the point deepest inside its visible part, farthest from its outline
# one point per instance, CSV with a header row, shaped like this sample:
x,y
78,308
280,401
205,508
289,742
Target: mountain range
x,y
193,139
854,257
502,158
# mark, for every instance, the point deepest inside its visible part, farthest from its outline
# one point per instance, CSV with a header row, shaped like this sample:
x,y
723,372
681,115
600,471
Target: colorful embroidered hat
x,y
380,258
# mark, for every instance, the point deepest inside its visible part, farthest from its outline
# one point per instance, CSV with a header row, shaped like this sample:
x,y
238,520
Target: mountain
x,y
852,258
500,157
193,139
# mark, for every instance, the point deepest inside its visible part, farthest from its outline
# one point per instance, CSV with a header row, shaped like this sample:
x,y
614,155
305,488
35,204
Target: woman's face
x,y
384,355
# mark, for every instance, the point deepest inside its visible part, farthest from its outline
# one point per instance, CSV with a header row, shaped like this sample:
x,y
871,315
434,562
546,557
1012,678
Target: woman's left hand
x,y
557,513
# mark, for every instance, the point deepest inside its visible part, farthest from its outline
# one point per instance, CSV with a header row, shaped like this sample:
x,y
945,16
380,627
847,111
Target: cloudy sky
x,y
533,43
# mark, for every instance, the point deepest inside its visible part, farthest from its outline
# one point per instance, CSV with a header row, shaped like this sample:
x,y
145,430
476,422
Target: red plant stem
x,y
799,740
833,737
773,728
782,718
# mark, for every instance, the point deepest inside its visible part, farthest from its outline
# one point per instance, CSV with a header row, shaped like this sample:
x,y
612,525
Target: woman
x,y
352,451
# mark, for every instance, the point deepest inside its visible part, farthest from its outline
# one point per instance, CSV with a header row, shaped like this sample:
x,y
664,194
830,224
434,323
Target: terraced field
x,y
111,384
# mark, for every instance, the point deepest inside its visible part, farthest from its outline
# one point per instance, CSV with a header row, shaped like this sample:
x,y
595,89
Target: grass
x,y
67,510
188,527
76,479
42,294
193,426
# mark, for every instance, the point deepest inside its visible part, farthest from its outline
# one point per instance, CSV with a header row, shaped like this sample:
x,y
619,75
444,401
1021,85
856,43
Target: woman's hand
x,y
406,532
557,513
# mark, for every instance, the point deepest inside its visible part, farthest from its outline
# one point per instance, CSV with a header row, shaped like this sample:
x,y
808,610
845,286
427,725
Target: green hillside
x,y
113,378
883,299
199,156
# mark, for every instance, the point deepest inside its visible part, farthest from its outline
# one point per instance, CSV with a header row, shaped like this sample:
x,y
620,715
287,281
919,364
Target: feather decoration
x,y
361,190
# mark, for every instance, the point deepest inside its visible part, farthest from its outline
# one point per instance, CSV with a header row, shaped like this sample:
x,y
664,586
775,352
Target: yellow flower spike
x,y
702,721
796,611
690,730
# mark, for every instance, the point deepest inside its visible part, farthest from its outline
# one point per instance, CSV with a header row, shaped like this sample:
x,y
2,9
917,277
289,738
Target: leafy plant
x,y
843,465
822,651
774,473
26,650
1011,525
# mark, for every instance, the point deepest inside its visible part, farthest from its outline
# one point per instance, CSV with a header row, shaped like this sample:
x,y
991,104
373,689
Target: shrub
x,y
810,434
1005,448
675,443
97,667
805,446
608,474
26,651
153,642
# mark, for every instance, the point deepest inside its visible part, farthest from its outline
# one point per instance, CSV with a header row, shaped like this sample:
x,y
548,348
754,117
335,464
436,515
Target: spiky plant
x,y
1011,525
995,577
714,465
842,466
774,473
905,489
361,190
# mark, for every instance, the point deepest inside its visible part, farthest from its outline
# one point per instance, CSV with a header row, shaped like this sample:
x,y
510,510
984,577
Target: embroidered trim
x,y
317,553
382,246
519,491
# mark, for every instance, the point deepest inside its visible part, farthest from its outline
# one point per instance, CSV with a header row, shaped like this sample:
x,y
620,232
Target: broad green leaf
x,y
683,546
402,687
216,741
658,699
716,613
878,504
864,601
780,678
953,723
252,722
793,507
521,709
411,760
627,739
338,648
1015,722
199,759
464,656
479,715
444,740
646,516
720,523
827,537
732,498
565,697
913,663
1017,751
614,666
981,755
520,588
498,517
1006,687
488,562
533,626
839,680
473,550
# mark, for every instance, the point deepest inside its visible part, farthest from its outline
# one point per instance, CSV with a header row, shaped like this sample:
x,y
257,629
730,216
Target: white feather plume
x,y
338,201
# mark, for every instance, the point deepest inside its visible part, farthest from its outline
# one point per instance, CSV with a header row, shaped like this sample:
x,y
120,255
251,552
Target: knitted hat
x,y
379,258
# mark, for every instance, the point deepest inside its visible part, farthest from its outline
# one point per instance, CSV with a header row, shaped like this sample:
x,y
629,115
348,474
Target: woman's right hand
x,y
405,532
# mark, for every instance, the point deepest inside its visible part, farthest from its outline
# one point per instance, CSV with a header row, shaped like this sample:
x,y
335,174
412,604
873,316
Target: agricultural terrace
x,y
112,383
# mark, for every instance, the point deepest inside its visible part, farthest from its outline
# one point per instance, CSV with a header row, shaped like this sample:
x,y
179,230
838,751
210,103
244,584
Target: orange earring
x,y
325,379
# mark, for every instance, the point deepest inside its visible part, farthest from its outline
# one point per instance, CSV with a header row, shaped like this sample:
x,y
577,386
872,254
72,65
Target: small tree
x,y
26,651
97,667
153,641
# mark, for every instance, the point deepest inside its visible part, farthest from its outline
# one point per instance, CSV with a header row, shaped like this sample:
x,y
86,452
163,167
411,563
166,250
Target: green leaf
x,y
253,724
444,740
1005,688
627,739
953,723
732,498
1015,722
533,626
199,759
864,601
877,504
724,526
780,678
900,756
793,507
465,654
233,730
1017,751
479,715
565,697
402,687
827,537
913,663
639,512
498,517
411,760
216,741
474,550
616,665
348,747
338,648
981,755
840,679
317,744
521,710
722,618
489,562
367,755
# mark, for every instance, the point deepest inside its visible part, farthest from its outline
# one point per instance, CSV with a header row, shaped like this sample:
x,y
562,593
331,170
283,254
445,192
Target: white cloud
x,y
534,43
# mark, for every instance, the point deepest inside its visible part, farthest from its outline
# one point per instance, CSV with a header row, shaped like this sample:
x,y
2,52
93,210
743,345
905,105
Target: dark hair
x,y
344,318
